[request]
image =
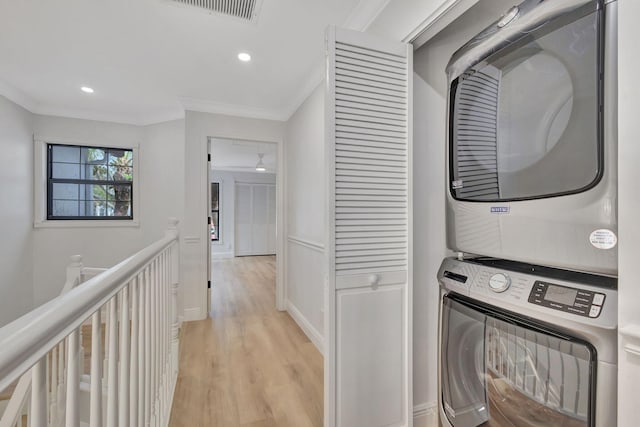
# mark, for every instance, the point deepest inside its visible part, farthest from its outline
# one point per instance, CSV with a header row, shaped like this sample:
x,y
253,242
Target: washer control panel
x,y
554,298
571,300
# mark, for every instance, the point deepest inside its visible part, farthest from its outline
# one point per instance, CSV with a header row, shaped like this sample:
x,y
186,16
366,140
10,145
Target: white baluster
x,y
95,415
154,340
72,411
105,362
53,403
123,395
165,315
62,383
38,413
48,385
112,370
133,367
147,348
175,325
141,349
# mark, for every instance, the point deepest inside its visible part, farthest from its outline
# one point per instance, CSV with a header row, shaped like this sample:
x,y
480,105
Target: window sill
x,y
86,223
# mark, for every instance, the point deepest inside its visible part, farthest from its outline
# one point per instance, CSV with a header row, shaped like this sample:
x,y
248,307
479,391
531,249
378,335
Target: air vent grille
x,y
243,9
476,120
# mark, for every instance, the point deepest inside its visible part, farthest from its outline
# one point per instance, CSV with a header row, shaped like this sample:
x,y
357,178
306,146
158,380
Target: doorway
x,y
245,202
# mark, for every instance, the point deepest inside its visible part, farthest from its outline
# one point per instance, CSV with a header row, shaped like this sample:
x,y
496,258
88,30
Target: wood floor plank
x,y
248,365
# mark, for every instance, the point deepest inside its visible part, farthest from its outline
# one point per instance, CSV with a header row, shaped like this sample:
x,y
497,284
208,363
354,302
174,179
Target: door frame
x,y
280,216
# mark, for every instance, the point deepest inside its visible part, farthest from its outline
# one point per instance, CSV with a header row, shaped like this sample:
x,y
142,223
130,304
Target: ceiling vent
x,y
246,10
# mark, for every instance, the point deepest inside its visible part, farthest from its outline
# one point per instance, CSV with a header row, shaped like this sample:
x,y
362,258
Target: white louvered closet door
x,y
368,311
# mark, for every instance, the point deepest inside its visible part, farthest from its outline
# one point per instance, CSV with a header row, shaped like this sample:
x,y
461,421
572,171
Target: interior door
x,y
368,342
255,219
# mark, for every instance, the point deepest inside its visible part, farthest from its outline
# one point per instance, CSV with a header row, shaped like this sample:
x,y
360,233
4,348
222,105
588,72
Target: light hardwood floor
x,y
248,364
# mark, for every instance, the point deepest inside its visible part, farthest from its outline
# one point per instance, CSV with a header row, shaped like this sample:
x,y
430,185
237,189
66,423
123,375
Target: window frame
x,y
41,186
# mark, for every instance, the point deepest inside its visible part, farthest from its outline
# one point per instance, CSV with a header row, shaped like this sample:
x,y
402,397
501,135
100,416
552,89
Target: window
x,y
89,183
215,211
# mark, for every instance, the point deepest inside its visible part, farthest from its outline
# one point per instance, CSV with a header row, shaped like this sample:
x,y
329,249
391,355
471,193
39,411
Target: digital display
x,y
561,295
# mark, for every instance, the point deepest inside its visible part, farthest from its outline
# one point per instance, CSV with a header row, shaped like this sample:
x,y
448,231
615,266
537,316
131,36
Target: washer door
x,y
497,370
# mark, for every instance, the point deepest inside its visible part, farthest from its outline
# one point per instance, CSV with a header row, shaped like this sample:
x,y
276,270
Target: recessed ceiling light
x,y
244,57
86,89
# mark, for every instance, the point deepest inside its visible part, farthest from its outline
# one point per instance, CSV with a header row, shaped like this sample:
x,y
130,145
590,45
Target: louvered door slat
x,y
368,61
369,103
349,74
357,79
343,101
369,71
378,115
400,59
362,116
376,146
350,151
352,248
377,251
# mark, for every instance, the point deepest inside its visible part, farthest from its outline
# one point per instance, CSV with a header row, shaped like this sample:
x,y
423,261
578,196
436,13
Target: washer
x,y
526,345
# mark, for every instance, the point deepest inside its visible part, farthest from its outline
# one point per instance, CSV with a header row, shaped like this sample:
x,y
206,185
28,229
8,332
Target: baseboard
x,y
425,415
191,314
221,255
311,332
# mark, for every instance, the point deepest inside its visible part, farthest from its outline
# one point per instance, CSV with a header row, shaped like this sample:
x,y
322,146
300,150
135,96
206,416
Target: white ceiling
x,y
242,156
149,60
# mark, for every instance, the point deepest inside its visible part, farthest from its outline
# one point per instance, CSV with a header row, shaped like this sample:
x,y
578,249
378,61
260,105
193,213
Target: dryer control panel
x,y
564,298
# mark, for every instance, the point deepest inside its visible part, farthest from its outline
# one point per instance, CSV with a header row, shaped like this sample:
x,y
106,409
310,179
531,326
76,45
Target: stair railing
x,y
131,310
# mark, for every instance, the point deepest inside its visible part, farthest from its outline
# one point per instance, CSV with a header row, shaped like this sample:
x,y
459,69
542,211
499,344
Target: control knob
x,y
499,282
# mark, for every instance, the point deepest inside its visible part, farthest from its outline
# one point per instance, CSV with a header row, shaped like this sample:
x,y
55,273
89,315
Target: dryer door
x,y
497,370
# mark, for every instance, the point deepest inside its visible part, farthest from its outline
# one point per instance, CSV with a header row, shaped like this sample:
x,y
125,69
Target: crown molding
x,y
207,106
105,116
16,96
33,106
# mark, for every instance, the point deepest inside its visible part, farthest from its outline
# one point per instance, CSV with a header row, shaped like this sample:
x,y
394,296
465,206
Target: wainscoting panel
x,y
305,279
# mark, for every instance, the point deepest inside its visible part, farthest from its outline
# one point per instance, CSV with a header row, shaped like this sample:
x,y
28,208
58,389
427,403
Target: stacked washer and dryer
x,y
528,318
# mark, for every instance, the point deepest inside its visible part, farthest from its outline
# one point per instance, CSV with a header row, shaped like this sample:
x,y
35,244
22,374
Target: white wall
x,y
305,213
198,128
628,210
429,145
224,248
161,185
16,187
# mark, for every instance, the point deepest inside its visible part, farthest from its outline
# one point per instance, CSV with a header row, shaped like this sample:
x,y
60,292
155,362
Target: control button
x,y
598,299
595,311
499,282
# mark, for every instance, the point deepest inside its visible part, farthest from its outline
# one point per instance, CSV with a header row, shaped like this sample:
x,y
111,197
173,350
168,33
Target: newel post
x,y
74,273
174,277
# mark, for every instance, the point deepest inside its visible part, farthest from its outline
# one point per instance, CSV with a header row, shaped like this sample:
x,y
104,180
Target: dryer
x,y
532,158
526,345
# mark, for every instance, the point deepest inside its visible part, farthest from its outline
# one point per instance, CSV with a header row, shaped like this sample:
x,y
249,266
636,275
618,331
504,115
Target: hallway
x,y
248,364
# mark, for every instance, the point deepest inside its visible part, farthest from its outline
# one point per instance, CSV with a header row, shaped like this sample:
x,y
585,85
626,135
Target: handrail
x,y
22,345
